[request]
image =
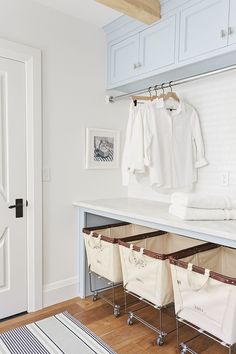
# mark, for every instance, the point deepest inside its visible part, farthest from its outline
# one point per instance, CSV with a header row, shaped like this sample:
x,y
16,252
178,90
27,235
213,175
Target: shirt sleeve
x,y
147,138
125,165
136,148
197,136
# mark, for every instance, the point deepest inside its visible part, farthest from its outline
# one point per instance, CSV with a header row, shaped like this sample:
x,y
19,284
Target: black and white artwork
x,y
102,148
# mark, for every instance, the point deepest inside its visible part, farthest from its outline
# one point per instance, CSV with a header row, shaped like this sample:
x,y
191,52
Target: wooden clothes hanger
x,y
170,94
163,95
156,96
143,98
167,95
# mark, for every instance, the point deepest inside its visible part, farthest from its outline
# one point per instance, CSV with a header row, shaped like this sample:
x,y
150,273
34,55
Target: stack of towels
x,y
202,206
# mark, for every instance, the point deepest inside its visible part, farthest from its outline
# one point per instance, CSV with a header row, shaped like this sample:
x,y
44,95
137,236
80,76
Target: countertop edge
x,y
157,220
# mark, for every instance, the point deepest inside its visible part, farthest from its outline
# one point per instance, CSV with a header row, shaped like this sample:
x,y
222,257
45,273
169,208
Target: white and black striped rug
x,y
58,334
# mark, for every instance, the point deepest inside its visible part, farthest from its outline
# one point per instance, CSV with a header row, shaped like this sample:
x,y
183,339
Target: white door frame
x,y
31,57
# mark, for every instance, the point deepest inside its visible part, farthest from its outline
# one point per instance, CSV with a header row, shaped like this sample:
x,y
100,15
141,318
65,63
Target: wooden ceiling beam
x,y
146,11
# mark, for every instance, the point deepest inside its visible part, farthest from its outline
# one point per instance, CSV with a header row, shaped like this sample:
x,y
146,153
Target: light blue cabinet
x,y
232,23
157,45
123,59
203,27
190,34
149,50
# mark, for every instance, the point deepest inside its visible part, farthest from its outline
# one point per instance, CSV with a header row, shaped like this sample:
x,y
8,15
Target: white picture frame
x,y
102,148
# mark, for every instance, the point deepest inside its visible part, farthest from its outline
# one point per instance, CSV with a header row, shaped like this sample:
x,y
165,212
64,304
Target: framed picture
x,y
102,148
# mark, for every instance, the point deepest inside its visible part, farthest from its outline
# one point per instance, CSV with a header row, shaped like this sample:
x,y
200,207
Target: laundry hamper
x,y
146,271
102,250
205,292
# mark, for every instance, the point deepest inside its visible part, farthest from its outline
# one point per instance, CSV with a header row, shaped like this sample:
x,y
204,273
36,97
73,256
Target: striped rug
x,y
58,334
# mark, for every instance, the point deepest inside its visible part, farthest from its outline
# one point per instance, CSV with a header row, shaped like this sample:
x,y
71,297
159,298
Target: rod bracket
x,y
109,99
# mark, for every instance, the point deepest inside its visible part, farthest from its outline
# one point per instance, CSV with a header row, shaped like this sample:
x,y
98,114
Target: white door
x,y
157,45
13,252
232,23
203,27
124,59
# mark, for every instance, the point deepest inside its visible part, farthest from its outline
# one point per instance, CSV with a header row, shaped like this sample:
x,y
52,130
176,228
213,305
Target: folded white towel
x,y
203,200
202,214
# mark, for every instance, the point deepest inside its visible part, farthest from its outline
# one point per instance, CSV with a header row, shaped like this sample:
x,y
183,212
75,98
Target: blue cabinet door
x,y
124,59
232,23
157,45
203,27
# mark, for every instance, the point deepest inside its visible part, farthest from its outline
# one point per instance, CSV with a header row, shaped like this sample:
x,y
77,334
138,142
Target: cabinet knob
x,y
230,31
223,33
139,65
135,66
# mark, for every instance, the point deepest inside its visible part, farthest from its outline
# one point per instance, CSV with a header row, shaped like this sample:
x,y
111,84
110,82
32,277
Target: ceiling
x,y
87,10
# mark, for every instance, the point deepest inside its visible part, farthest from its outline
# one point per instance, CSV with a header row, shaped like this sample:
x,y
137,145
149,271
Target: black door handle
x,y
19,208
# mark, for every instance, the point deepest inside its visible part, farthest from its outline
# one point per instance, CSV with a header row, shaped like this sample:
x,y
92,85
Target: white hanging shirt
x,y
134,159
176,147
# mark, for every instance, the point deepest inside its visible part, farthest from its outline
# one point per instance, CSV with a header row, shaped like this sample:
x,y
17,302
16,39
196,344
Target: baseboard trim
x,y
60,291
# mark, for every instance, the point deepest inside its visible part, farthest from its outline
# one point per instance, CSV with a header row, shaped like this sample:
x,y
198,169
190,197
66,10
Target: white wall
x,y
74,64
214,98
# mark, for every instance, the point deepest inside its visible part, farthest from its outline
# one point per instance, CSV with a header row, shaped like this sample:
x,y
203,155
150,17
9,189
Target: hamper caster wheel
x,y
116,311
183,349
130,321
95,296
160,341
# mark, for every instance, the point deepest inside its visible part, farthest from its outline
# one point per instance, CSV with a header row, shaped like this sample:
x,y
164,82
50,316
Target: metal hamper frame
x,y
183,346
97,292
131,315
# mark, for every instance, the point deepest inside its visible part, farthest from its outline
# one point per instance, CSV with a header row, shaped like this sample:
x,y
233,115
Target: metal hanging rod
x,y
113,99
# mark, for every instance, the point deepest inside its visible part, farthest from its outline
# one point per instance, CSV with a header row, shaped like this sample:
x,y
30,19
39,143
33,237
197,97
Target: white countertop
x,y
157,213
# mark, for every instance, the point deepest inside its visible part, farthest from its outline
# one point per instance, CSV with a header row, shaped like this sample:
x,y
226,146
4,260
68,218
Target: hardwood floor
x,y
124,339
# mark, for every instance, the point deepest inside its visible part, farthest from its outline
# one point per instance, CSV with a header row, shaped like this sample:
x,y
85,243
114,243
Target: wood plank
x,y
146,11
124,339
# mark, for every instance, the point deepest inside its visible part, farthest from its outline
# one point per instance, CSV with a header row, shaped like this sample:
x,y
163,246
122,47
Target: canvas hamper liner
x,y
205,291
146,268
102,247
